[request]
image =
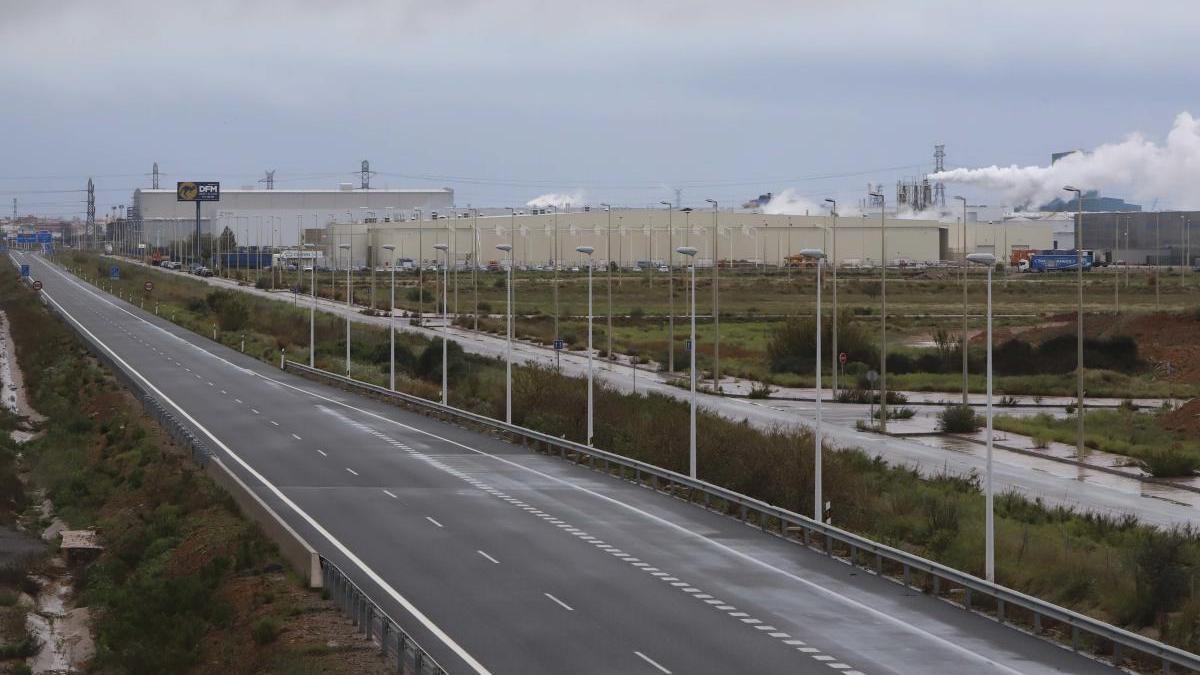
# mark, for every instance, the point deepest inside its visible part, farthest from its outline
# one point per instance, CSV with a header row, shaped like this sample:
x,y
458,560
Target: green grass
x,y
1137,435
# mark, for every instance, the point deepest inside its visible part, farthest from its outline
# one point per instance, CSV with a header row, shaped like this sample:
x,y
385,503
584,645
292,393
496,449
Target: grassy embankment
x,y
1113,569
184,583
1137,435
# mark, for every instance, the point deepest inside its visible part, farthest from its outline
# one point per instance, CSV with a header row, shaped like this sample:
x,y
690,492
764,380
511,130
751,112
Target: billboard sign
x,y
44,237
198,191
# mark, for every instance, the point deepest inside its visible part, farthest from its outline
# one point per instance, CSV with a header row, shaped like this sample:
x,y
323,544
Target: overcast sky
x,y
615,100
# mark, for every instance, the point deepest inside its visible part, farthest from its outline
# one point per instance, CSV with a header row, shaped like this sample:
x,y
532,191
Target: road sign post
x,y
37,285
114,272
149,286
559,345
24,271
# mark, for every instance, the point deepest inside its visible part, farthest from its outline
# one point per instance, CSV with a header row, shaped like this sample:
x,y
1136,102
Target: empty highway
x,y
498,560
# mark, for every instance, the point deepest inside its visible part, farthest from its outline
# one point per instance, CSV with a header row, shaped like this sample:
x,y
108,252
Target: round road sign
x,y
37,285
842,358
872,376
149,286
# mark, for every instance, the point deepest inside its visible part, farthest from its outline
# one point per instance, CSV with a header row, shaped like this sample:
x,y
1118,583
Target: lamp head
x,y
812,253
985,259
686,250
586,250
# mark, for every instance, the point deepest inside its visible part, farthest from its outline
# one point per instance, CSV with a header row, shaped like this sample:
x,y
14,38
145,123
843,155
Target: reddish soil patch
x,y
1184,419
1170,342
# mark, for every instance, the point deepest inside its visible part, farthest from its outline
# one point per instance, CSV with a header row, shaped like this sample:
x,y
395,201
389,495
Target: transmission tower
x,y
366,174
678,197
269,179
939,165
155,176
91,209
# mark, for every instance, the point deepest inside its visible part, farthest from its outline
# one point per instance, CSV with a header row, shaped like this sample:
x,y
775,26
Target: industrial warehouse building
x,y
636,236
276,217
1142,238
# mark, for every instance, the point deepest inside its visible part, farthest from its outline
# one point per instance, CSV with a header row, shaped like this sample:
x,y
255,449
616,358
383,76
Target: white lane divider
x,y
560,602
434,521
488,557
388,493
652,662
352,471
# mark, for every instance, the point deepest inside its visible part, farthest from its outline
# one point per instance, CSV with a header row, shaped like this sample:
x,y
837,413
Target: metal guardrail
x,y
376,625
1006,605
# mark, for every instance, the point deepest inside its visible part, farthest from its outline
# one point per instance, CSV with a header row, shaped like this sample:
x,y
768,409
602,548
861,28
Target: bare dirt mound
x,y
1169,342
1184,419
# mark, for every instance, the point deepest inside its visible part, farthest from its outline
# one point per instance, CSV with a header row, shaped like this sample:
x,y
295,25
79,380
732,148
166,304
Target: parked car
x,y
203,272
664,268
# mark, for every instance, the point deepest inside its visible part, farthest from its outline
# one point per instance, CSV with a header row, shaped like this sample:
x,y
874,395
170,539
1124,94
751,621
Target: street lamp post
x,y
588,250
445,249
690,252
989,261
963,274
818,504
882,310
670,290
608,276
392,319
716,302
834,325
507,248
312,318
349,304
555,262
1079,449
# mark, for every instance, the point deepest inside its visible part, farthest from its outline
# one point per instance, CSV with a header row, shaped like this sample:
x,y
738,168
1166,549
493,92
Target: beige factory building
x,y
636,235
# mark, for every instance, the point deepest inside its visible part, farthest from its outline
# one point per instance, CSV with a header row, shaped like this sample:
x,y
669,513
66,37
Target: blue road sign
x,y
44,237
114,272
24,271
688,345
26,238
559,344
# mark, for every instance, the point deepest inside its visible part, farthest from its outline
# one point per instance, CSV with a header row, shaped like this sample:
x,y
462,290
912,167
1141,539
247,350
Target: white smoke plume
x,y
556,200
789,203
1136,168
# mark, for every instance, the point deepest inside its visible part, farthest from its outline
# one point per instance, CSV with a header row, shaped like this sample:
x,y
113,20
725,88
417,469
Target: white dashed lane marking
x,y
693,591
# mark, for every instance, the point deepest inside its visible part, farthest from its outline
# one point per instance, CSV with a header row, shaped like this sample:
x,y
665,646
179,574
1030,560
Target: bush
x,y
898,413
791,346
1170,463
958,419
415,295
266,630
230,308
760,390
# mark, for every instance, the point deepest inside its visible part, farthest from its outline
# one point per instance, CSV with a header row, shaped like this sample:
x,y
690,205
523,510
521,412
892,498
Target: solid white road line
x,y
488,557
434,521
560,602
312,522
652,662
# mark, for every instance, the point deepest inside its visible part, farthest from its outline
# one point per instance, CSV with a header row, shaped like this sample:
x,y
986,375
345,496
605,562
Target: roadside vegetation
x,y
1108,567
182,578
1140,436
766,323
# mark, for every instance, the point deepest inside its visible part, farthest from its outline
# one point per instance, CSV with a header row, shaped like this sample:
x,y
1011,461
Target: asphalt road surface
x,y
498,560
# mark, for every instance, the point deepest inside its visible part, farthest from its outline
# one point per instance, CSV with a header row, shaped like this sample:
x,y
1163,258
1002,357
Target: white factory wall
x,y
278,216
638,235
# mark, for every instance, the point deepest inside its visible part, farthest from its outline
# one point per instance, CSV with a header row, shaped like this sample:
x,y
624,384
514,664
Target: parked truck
x,y
1056,261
